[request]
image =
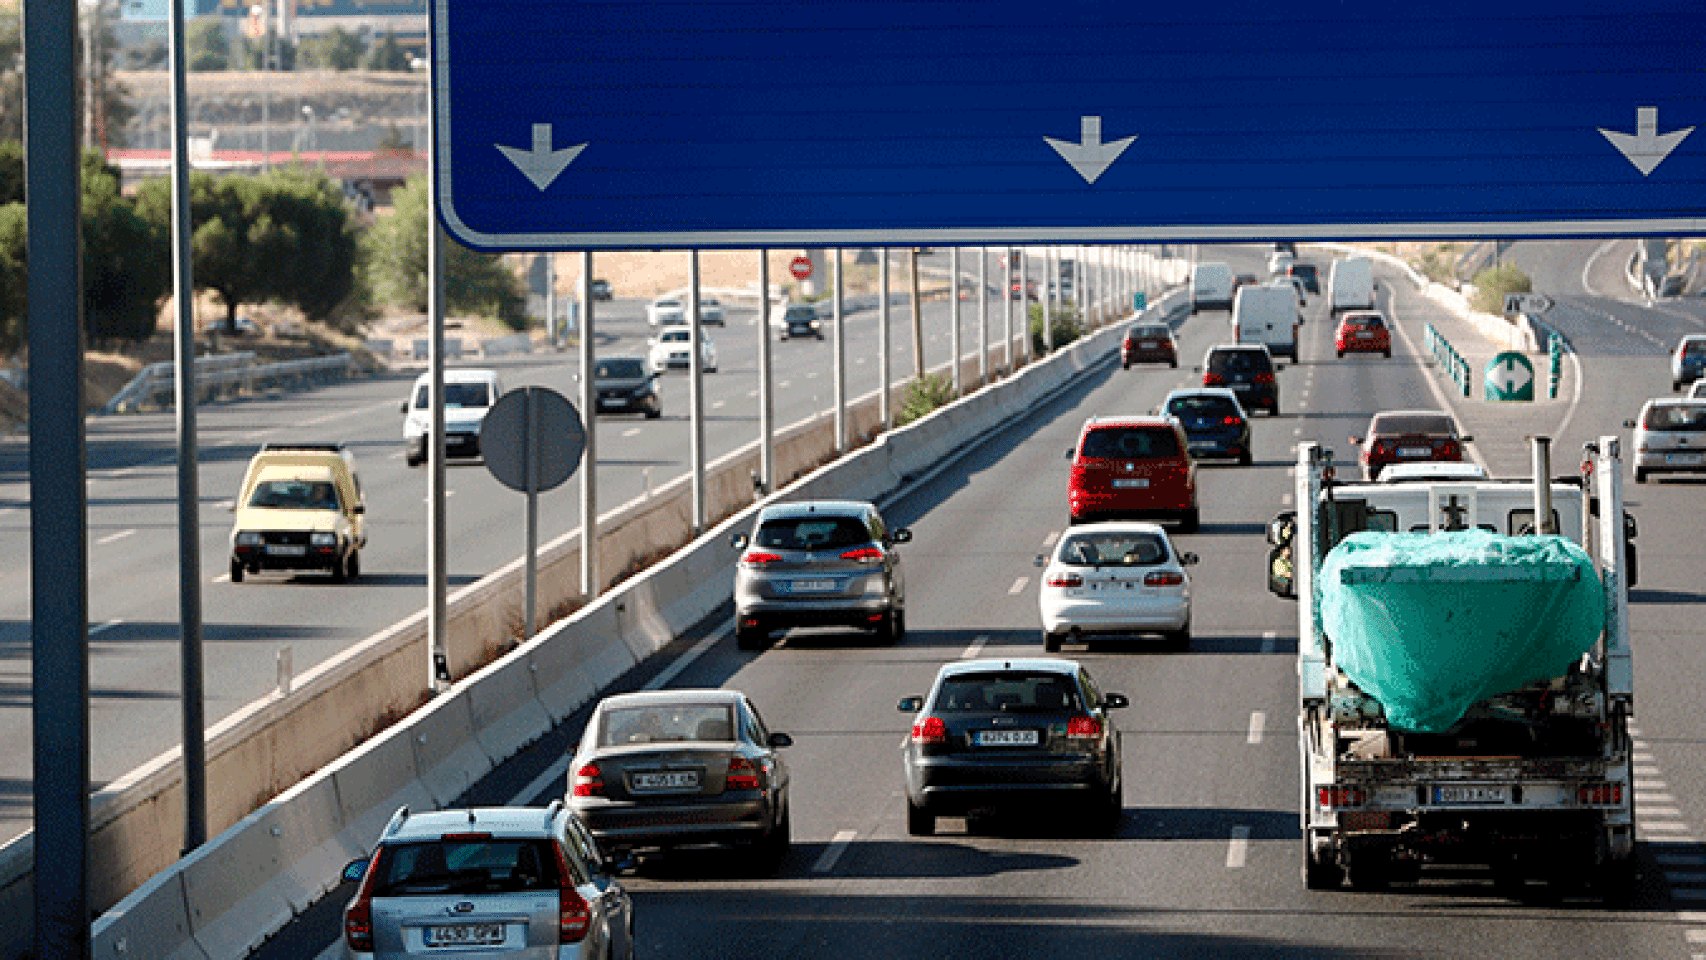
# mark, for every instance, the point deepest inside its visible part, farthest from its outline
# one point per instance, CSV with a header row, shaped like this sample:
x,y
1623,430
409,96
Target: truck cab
x,y
300,508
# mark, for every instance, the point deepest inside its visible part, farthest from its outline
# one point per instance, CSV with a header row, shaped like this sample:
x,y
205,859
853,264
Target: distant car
x,y
664,311
819,563
468,394
1115,578
300,507
1688,360
1401,436
1248,370
1132,467
1432,472
601,290
1307,273
666,768
1285,246
1149,343
710,311
486,882
1670,437
1279,262
1214,422
625,385
1296,284
1245,280
1362,331
798,320
673,347
1697,391
1037,733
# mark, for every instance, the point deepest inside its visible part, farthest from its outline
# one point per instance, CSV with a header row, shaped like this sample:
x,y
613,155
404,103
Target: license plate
x,y
465,935
287,550
1148,345
1682,458
1472,794
671,780
1242,386
610,402
812,586
1415,451
1130,484
1007,738
1364,335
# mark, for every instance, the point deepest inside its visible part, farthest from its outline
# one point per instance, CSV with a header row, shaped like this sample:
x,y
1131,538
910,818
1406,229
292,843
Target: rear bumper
x,y
1090,619
840,612
950,786
619,823
315,558
1659,461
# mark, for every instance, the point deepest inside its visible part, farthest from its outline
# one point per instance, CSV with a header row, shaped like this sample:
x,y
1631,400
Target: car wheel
x,y
1052,641
892,630
1174,364
654,412
413,459
354,564
1369,870
236,570
340,570
1341,354
1319,873
1190,520
1125,364
920,822
1179,640
1640,475
1273,411
751,638
1675,385
1387,354
777,842
1245,459
1113,807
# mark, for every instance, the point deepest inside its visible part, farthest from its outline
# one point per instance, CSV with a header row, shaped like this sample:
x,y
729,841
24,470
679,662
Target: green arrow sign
x,y
1509,377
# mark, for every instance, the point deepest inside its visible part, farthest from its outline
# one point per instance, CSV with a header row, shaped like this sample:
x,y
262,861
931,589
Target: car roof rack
x,y
315,447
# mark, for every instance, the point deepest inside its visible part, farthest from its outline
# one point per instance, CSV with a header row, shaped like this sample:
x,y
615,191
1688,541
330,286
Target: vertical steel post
x,y
530,459
1051,295
883,404
954,332
59,559
696,394
590,586
983,316
1007,329
840,310
767,401
438,554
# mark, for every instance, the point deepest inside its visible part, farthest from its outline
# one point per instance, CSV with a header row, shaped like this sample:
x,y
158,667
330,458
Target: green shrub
x,y
924,395
1066,327
1492,285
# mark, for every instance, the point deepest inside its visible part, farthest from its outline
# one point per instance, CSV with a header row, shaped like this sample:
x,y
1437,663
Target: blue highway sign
x,y
741,123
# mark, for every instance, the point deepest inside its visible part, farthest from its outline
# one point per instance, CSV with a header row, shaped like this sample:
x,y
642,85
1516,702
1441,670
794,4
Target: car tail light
x,y
1340,796
358,916
1600,794
1448,449
743,775
1065,580
1264,378
1164,578
864,555
1213,380
1385,448
1084,727
1230,421
574,914
589,781
756,558
930,730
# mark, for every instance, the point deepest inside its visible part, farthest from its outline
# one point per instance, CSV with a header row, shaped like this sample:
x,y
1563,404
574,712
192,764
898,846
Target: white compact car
x,y
1115,578
1670,437
666,311
673,347
468,394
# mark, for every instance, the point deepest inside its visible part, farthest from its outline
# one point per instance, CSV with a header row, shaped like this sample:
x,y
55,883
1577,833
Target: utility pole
x,y
917,322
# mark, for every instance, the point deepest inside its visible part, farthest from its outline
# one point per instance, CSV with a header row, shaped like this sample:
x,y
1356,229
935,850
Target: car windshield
x,y
1150,333
474,863
1134,442
1303,269
811,533
1237,361
1430,424
1009,691
1197,407
457,395
1677,417
295,495
667,723
674,336
1107,548
799,314
619,370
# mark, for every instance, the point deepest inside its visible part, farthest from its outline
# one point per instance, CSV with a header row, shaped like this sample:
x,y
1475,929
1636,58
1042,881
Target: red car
x,y
1409,436
1363,331
1133,468
1148,343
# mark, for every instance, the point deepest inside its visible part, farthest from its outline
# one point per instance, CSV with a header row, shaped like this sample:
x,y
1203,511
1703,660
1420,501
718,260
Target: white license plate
x,y
286,550
1007,738
1364,335
1682,458
1137,484
1472,794
1242,386
1415,451
812,586
671,780
610,402
1148,345
465,935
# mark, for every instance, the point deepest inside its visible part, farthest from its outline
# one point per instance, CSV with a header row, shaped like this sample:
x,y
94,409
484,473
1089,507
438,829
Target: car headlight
x,y
323,539
249,540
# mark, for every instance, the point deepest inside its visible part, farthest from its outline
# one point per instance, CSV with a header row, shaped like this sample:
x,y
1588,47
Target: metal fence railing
x,y
1456,367
225,375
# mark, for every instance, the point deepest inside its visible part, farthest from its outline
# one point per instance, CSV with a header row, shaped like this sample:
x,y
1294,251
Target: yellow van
x,y
300,508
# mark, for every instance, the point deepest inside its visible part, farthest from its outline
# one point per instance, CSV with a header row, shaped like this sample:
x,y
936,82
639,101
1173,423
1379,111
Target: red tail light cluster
x,y
1230,421
930,730
1600,794
1264,378
589,781
756,558
358,916
1085,727
1340,796
574,915
743,775
1163,578
1449,450
1065,580
1213,380
864,555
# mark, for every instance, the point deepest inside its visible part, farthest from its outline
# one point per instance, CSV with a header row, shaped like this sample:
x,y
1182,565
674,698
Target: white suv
x,y
523,882
468,394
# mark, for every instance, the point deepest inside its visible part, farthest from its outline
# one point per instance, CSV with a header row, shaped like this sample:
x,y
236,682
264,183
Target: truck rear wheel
x,y
1320,871
1368,870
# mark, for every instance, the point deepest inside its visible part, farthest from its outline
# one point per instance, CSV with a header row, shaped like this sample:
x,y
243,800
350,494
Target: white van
x,y
1350,285
1267,315
468,394
1212,287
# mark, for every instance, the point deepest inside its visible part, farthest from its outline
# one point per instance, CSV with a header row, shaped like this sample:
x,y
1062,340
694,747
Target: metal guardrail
x,y
1555,350
225,375
1456,367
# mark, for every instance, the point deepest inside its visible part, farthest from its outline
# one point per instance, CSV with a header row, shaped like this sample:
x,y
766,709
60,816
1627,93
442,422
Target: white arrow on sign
x,y
1647,148
1533,304
541,164
1090,157
1514,376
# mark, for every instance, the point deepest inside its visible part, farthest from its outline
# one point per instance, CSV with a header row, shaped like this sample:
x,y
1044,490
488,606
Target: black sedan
x,y
1214,422
995,733
682,767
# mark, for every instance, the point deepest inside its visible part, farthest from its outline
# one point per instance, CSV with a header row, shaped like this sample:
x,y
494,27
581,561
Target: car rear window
x,y
1238,361
1429,424
1303,269
667,723
1693,348
1011,691
620,370
1154,332
1369,320
457,395
674,336
1201,406
1113,549
469,864
812,533
1138,443
1676,417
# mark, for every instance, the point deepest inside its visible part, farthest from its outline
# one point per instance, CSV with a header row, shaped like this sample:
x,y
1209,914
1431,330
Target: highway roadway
x,y
1206,861
132,520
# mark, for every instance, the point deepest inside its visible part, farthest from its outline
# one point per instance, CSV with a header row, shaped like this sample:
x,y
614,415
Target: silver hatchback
x,y
505,883
819,563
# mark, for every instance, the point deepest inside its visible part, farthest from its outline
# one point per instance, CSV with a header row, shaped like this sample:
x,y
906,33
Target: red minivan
x,y
1133,468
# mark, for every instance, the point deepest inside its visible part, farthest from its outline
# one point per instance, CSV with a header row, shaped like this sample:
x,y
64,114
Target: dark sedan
x,y
995,733
682,767
627,385
1214,422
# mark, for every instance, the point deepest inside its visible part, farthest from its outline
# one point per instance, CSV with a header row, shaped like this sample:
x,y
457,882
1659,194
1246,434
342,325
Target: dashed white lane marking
x,y
1018,585
1268,640
1285,499
1050,540
1680,859
1646,770
860,361
631,432
103,628
833,852
222,578
786,383
115,537
1664,826
812,375
672,671
447,494
1292,470
1238,847
1654,796
1643,756
718,405
752,393
555,771
1258,720
975,647
1297,431
1659,811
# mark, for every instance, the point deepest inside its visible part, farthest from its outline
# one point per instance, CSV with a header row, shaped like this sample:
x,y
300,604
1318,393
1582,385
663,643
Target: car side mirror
x,y
1628,424
1114,701
1465,439
1069,453
738,541
354,871
360,508
1280,529
910,704
1356,441
1278,367
1630,530
901,535
622,862
1039,561
1188,559
403,408
780,740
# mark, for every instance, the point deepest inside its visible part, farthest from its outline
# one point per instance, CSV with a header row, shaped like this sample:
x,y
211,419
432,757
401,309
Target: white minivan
x,y
1267,315
468,394
1212,287
1350,285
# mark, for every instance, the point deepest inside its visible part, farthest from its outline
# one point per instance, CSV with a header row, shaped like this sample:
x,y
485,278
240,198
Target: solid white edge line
x,y
114,537
684,661
556,771
1238,847
104,627
833,852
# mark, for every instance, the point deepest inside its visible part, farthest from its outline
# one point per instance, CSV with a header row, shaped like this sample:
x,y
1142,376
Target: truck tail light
x,y
589,781
1339,795
742,775
930,730
1603,793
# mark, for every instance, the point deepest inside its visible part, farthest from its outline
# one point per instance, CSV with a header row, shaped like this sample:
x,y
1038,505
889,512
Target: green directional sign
x,y
1509,377
1138,301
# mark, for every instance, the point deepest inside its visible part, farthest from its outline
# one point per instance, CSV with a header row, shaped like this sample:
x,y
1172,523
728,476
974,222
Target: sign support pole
x,y
530,457
766,402
954,333
1007,312
840,359
696,390
589,403
983,316
883,346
